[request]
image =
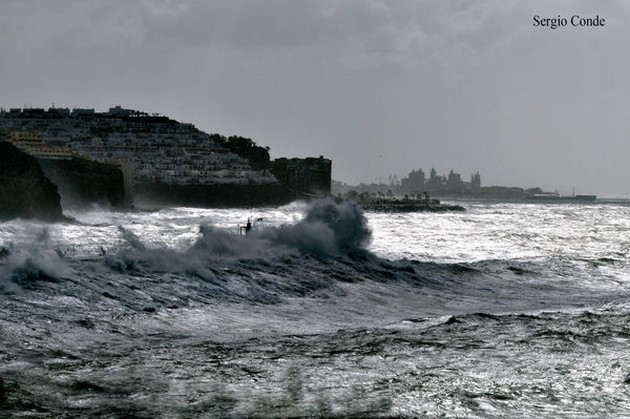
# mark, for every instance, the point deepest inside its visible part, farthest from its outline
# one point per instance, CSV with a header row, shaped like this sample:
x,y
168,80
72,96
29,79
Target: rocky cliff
x,y
24,190
83,182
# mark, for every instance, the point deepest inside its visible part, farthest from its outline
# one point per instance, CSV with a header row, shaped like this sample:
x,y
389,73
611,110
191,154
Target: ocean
x,y
322,310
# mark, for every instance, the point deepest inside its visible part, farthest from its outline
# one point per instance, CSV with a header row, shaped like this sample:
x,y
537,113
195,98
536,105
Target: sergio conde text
x,y
575,20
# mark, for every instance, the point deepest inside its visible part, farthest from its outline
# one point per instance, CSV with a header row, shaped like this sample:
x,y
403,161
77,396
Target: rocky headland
x,y
124,156
84,182
25,192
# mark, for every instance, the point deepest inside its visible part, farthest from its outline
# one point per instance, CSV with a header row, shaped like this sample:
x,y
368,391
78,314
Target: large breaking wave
x,y
275,256
328,229
312,257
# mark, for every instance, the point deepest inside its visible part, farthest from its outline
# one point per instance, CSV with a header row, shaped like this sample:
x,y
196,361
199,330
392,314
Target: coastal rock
x,y
83,182
25,192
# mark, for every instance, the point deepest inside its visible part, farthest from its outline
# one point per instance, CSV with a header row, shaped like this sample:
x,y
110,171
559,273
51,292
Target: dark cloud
x,y
380,86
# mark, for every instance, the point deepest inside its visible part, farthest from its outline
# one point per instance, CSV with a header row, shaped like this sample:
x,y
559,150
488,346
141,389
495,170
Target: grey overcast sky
x,y
381,87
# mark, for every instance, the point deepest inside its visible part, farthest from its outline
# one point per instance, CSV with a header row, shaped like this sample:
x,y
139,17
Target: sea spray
x,y
267,264
328,228
40,260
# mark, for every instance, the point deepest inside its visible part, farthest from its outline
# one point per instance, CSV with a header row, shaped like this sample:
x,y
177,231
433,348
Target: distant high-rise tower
x,y
475,182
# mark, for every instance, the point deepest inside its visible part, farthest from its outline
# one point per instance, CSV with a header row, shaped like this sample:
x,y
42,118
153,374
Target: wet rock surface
x,y
24,190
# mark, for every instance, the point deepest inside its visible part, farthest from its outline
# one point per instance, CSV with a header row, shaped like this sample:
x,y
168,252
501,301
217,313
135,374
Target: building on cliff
x,y
159,149
158,154
80,181
32,143
310,176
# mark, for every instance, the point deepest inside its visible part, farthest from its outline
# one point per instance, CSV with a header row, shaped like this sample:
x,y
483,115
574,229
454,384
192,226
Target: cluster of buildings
x,y
158,149
417,184
444,185
151,148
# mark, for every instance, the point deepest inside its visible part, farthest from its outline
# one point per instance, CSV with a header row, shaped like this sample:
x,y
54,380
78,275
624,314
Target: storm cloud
x,y
381,87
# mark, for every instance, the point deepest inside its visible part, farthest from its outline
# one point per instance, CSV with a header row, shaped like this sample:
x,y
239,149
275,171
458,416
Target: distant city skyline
x,y
379,87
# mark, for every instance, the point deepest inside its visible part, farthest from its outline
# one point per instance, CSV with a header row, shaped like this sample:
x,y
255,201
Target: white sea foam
x,y
504,310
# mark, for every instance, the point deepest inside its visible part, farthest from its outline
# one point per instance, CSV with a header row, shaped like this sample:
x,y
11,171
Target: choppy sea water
x,y
505,310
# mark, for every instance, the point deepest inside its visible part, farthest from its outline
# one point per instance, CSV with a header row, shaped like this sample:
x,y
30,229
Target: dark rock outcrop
x,y
83,182
24,190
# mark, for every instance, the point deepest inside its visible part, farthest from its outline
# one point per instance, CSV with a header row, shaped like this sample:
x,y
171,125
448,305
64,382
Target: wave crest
x,y
329,228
